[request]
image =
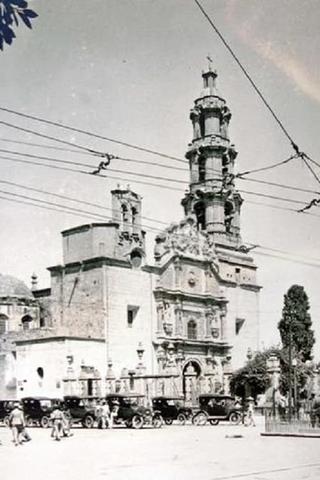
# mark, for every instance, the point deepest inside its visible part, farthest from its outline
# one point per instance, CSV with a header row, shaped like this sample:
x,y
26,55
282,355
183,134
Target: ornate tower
x,y
212,197
126,212
207,280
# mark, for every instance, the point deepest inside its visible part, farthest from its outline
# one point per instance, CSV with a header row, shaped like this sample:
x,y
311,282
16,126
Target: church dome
x,y
13,287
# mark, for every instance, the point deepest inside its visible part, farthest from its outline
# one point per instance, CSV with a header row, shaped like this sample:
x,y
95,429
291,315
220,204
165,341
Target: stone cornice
x,y
90,263
196,297
87,226
185,341
60,338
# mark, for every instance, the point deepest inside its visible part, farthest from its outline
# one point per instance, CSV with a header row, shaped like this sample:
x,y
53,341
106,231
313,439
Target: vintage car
x,y
5,408
37,410
128,409
214,408
81,409
171,408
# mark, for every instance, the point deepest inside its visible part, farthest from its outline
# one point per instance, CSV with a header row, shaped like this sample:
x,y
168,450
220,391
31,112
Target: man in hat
x,y
58,420
250,413
17,423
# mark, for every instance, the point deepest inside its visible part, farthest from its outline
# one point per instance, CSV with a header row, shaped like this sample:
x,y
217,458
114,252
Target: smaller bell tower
x,y
126,212
212,197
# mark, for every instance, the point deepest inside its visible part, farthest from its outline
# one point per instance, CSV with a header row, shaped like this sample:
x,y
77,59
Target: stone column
x,y
194,169
212,122
177,273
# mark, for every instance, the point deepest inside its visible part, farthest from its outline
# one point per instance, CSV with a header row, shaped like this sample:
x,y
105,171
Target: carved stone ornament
x,y
168,328
192,279
185,238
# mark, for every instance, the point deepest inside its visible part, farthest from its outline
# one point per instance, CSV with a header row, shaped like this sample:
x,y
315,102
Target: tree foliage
x,y
11,11
253,377
296,319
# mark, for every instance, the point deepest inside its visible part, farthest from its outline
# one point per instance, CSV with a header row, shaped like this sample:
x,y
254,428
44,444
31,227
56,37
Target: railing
x,y
306,423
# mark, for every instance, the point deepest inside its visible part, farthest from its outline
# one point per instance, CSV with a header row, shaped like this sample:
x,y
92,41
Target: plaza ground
x,y
175,452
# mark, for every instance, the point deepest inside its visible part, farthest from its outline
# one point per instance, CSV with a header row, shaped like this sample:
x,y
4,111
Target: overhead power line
x,y
65,142
91,134
26,200
125,172
72,199
269,167
249,78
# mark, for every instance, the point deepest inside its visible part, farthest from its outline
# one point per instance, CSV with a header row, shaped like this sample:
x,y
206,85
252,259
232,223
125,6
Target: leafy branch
x,y
11,11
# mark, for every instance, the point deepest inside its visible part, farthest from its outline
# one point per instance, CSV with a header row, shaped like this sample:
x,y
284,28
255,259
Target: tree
x,y
295,324
253,377
10,12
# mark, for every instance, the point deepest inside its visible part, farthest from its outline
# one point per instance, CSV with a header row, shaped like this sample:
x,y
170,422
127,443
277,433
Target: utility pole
x,y
290,368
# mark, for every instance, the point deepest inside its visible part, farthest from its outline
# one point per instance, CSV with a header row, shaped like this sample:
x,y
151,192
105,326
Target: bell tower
x,y
212,197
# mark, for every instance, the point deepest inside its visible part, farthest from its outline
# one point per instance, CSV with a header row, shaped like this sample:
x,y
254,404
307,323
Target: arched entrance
x,y
191,373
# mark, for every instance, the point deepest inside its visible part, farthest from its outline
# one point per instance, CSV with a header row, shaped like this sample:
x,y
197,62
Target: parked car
x,y
5,408
171,408
214,408
81,409
37,410
128,409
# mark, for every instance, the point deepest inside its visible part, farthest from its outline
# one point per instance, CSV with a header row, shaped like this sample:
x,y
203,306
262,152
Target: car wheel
x,y
157,421
88,421
181,419
214,421
6,421
44,422
234,418
29,422
137,422
199,419
168,421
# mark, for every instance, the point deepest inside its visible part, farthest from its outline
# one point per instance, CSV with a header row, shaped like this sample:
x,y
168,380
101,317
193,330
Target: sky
x,y
130,70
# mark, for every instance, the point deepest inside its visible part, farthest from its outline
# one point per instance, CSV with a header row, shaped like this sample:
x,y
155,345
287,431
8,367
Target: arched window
x,y
3,324
229,211
199,210
202,169
26,322
124,211
134,214
192,330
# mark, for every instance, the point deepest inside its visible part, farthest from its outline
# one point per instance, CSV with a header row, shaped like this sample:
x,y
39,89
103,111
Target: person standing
x,y
17,424
57,417
250,421
104,414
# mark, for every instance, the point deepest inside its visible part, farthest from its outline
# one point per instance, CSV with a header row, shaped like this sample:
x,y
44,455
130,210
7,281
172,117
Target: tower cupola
x,y
212,198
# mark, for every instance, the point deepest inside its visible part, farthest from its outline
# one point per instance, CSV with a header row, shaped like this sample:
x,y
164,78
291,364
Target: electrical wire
x,y
249,78
269,167
48,137
91,134
279,185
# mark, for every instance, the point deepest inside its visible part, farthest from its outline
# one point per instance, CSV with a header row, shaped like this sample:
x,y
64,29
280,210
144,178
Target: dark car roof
x,y
213,395
124,395
77,397
37,398
163,397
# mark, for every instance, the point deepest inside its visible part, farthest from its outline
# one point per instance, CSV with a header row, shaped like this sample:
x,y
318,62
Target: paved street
x,y
175,452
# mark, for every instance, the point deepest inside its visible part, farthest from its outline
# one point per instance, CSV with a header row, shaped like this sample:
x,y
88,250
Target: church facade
x,y
111,319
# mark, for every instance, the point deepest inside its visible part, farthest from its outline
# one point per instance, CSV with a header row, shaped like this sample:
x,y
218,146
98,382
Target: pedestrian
x,y
17,424
66,427
58,420
114,412
250,420
104,414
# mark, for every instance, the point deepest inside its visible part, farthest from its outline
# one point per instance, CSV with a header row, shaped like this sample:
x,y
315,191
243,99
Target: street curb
x,y
303,435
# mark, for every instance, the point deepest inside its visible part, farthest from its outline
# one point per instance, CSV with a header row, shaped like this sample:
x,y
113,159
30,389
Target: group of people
x,y
20,435
105,416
